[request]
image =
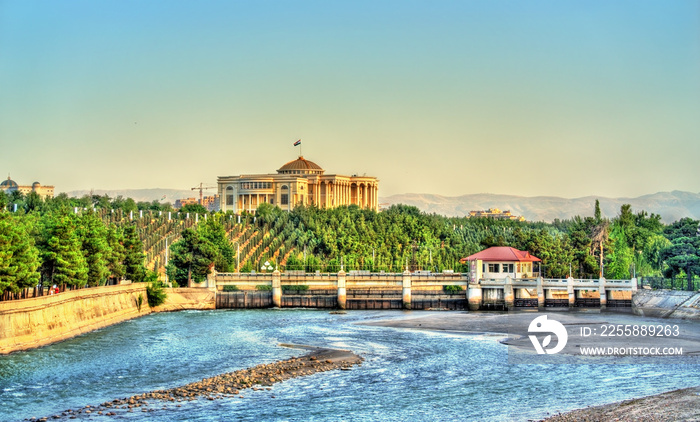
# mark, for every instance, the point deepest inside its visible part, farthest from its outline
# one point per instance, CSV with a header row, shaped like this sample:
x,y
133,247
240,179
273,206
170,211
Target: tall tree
x,y
93,236
134,257
60,249
19,259
191,258
683,256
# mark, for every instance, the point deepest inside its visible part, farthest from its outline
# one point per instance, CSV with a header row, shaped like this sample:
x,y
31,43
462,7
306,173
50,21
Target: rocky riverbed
x,y
232,384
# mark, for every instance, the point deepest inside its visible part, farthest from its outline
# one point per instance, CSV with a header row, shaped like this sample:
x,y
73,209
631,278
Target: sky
x,y
530,98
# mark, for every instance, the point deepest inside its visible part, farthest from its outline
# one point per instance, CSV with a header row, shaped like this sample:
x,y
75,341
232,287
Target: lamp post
x,y
266,267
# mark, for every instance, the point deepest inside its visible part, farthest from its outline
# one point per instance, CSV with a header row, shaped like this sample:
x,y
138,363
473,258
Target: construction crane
x,y
201,189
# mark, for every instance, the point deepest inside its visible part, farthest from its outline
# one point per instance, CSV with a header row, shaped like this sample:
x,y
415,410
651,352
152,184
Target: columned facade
x,y
299,182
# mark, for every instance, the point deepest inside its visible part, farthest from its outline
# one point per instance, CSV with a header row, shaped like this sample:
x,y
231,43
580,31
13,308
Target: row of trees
x,y
45,243
61,248
32,202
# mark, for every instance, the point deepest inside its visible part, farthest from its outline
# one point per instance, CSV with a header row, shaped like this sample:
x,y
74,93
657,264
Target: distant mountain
x,y
671,206
138,195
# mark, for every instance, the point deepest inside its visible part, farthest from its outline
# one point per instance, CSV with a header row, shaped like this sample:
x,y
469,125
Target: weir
x,y
419,290
342,290
512,293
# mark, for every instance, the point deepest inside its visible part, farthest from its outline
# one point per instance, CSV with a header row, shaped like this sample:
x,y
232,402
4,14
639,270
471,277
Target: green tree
x,y
134,268
682,257
19,259
191,258
60,250
213,231
194,209
93,236
117,254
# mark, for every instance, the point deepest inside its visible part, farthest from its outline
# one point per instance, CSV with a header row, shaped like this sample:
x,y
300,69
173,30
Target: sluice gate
x,y
422,290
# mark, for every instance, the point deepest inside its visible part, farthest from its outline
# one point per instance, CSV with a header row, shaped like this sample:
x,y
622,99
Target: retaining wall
x,y
666,304
29,323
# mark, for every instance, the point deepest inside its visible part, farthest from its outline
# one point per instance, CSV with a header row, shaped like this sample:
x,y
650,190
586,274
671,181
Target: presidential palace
x,y
299,182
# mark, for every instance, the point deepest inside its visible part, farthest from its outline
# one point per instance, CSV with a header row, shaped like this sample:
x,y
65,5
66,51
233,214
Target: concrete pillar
x,y
540,294
276,289
634,285
603,295
508,293
211,280
474,296
571,291
342,298
406,290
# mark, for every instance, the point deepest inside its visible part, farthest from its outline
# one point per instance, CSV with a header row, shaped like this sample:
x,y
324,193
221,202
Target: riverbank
x,y
677,405
232,384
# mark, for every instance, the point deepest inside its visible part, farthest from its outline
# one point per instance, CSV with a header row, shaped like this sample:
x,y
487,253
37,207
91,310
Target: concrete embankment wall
x,y
184,298
666,304
29,323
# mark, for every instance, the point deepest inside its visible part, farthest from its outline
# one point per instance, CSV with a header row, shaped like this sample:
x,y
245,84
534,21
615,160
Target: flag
x,y
163,197
297,142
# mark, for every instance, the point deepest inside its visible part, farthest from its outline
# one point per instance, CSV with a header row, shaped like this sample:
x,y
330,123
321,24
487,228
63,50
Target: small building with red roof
x,y
500,262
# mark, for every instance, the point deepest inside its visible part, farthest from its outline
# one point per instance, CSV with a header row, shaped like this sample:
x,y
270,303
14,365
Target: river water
x,y
407,374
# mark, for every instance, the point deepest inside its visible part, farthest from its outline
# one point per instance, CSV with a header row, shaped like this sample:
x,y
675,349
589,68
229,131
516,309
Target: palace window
x,y
284,198
229,195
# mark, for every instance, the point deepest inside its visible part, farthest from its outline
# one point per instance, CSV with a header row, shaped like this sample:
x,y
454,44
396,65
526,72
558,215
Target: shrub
x,y
155,294
230,288
263,287
452,289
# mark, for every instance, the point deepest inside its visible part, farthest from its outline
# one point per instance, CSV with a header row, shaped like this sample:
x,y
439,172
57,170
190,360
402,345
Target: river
x,y
407,374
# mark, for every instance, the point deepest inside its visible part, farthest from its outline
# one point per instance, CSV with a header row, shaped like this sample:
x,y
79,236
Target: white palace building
x,y
299,182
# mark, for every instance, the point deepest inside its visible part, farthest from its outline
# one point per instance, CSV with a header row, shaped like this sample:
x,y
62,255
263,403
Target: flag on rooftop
x,y
297,142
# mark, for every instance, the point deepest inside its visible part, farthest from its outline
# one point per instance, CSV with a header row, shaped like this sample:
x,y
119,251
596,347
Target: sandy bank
x,y
513,327
232,384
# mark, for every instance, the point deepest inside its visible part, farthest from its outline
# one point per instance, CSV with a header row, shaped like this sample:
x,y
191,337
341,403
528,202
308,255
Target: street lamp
x,y
266,266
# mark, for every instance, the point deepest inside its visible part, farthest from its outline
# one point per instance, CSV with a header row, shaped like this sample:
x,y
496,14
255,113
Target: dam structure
x,y
420,290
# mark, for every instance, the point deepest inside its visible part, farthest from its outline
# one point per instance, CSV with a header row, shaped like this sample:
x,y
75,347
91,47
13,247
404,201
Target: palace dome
x,y
300,166
8,184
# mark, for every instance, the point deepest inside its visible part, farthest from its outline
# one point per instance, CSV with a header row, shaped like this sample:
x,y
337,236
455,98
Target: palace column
x,y
344,193
365,196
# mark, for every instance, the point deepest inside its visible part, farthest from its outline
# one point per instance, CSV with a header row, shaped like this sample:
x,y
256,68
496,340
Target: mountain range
x,y
671,206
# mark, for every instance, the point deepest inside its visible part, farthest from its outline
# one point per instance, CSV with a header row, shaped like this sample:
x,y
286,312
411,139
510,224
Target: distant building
x,y
9,186
499,262
179,203
298,182
497,214
211,203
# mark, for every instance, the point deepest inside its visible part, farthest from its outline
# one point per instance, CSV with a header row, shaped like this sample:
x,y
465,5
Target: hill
x,y
671,206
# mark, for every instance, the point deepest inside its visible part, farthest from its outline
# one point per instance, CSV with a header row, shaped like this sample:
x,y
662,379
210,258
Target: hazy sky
x,y
565,98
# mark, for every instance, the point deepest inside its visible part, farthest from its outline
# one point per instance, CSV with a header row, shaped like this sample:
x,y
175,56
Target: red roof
x,y
501,253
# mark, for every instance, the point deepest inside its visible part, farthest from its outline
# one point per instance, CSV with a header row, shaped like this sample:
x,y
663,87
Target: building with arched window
x,y
298,182
8,186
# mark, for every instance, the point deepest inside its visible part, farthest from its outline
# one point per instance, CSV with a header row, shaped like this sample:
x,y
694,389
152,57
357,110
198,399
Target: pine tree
x,y
60,249
93,236
19,258
191,258
134,269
